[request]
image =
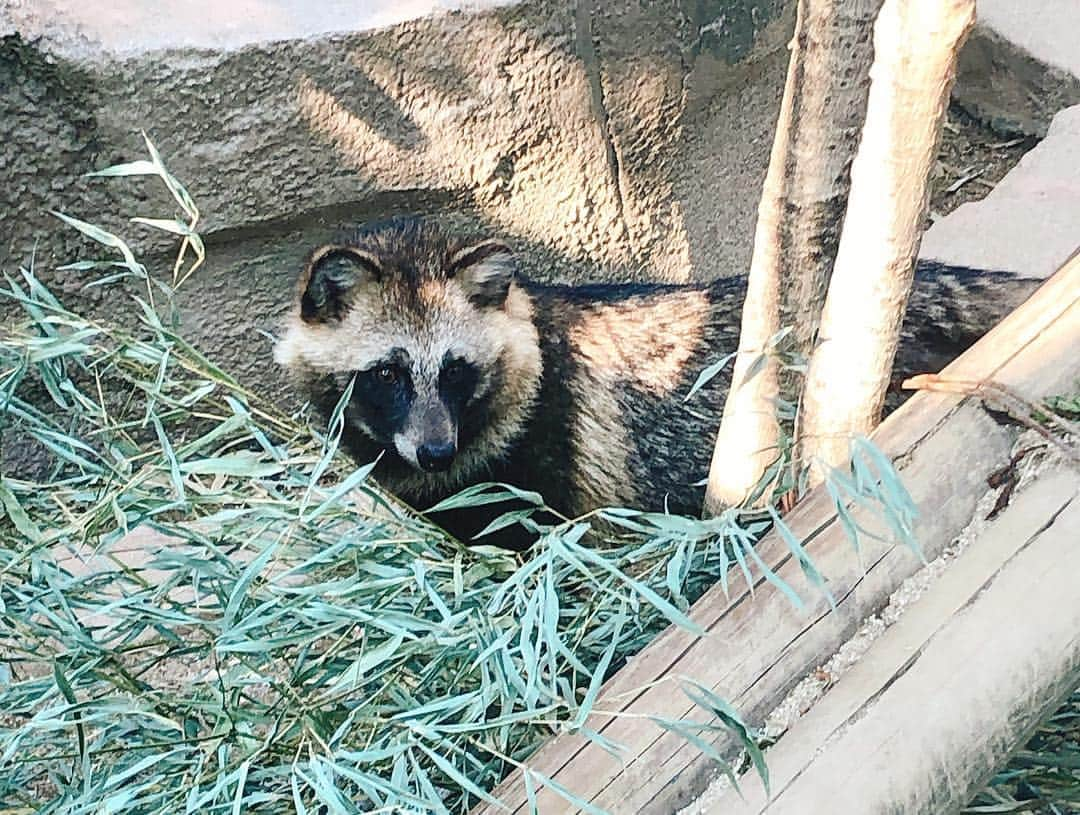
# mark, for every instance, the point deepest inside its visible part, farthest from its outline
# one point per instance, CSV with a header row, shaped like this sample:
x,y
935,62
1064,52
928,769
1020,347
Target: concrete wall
x,y
607,140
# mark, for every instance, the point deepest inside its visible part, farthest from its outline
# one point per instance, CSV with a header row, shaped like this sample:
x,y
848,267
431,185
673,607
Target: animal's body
x,y
465,372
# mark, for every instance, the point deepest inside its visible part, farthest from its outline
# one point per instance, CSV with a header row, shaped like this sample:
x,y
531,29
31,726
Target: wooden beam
x,y
963,677
757,647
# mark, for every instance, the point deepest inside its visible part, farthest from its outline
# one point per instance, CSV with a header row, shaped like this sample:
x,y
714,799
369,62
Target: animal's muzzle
x,y
435,457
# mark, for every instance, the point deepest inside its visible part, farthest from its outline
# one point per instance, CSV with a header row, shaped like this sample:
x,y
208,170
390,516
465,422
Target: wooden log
x,y
798,229
757,647
916,43
964,676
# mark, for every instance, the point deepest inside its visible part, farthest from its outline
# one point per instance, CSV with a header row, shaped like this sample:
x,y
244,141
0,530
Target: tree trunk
x,y
797,232
916,42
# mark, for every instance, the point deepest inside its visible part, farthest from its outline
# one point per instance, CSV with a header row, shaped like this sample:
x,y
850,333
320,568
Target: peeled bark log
x,y
749,431
916,42
798,229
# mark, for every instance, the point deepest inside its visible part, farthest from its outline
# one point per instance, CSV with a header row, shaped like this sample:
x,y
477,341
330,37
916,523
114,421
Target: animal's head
x,y
434,335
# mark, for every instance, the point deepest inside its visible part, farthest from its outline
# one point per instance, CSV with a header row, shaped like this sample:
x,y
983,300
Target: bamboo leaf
x,y
130,168
708,374
374,658
17,515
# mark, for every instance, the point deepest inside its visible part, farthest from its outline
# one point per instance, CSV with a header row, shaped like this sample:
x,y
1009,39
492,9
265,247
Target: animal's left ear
x,y
485,271
330,280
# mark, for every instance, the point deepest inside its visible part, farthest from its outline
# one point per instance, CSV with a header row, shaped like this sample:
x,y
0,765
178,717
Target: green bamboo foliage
x,y
285,637
293,637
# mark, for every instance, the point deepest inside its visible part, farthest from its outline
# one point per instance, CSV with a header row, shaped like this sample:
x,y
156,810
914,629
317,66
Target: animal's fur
x,y
579,391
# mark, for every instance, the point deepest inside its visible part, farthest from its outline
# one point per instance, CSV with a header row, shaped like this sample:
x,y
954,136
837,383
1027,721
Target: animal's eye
x,y
387,375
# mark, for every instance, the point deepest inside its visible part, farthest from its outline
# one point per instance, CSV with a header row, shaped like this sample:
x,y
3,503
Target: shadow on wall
x,y
428,120
628,141
124,27
471,116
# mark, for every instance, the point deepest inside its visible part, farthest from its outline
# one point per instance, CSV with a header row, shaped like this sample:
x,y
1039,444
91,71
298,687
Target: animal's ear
x,y
485,271
330,277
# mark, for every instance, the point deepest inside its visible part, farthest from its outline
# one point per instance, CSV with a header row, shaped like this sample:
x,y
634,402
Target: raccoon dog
x,y
464,372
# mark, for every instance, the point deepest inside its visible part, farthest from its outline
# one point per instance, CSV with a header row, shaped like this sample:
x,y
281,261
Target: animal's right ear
x,y
329,279
485,271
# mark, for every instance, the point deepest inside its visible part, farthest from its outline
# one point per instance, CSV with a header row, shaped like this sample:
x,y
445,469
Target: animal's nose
x,y
435,457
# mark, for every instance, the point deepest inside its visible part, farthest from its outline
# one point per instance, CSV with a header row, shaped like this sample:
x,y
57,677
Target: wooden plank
x,y
757,648
793,645
1000,630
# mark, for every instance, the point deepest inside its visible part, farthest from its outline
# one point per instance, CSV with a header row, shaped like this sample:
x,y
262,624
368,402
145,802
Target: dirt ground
x,y
971,160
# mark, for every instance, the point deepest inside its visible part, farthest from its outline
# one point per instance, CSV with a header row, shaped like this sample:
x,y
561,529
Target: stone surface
x,y
130,27
1045,29
1021,64
1030,222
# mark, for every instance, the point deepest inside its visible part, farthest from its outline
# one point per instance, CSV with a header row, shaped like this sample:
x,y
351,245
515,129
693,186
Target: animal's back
x,y
612,425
